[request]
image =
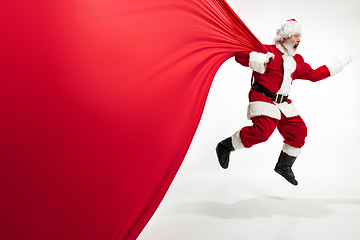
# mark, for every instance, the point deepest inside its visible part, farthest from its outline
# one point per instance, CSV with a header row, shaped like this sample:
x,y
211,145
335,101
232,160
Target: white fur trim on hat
x,y
288,29
292,151
236,141
335,66
257,62
258,108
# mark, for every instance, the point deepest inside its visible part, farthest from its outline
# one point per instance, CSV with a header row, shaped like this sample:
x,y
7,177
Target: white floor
x,y
249,200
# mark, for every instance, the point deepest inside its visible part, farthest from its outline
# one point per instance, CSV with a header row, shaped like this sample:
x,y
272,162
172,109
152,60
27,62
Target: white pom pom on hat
x,y
289,28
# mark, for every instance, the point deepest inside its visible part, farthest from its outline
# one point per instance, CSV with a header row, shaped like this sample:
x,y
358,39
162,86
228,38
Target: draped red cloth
x,y
99,103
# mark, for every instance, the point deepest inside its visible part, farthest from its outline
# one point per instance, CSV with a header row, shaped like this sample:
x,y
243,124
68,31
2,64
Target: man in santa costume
x,y
269,106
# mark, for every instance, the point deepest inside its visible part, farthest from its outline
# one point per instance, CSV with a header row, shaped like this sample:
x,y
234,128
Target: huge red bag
x,y
99,103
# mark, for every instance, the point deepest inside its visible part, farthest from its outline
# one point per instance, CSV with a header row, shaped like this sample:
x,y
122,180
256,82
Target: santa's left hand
x,y
345,61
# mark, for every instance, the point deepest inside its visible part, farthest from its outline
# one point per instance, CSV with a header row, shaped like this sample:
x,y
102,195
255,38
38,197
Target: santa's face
x,y
291,44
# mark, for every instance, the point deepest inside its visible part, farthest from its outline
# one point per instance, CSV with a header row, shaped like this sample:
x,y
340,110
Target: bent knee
x,y
302,131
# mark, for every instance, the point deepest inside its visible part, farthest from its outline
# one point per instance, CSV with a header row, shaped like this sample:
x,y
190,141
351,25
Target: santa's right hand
x,y
269,56
258,61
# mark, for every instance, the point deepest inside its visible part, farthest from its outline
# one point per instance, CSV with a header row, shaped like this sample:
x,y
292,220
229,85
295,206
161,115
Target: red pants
x,y
292,129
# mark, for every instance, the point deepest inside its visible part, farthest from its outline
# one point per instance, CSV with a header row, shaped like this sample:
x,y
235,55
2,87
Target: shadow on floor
x,y
264,207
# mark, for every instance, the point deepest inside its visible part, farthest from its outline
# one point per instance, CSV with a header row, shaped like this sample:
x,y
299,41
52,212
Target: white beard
x,y
289,47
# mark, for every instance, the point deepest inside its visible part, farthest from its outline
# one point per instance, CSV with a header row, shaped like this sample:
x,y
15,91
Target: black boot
x,y
283,167
223,150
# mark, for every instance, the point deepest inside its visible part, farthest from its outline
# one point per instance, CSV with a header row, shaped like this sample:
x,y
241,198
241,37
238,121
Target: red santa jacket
x,y
278,77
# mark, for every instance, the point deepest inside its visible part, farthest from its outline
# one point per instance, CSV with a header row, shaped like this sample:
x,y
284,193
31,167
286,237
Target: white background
x,y
249,200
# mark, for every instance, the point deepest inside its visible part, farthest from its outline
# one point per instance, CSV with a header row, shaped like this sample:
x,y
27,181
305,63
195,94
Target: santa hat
x,y
289,28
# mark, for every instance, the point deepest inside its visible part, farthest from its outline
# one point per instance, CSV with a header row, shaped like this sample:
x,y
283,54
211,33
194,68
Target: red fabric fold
x,y
99,103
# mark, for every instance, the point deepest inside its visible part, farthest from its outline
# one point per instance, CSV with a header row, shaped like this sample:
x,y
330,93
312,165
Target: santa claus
x,y
269,106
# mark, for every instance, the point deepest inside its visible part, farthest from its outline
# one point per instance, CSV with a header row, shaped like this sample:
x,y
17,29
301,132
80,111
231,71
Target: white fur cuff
x,y
236,141
257,62
335,66
292,151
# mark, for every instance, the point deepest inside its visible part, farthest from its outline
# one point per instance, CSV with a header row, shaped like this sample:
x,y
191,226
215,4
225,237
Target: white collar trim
x,y
283,50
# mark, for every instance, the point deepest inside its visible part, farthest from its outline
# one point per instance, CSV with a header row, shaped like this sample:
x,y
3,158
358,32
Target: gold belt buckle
x,y
277,96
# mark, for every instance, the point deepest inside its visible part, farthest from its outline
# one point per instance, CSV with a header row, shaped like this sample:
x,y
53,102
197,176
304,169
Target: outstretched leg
x,y
260,131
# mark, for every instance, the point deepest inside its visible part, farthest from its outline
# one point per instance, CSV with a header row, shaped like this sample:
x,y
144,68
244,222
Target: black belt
x,y
276,98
